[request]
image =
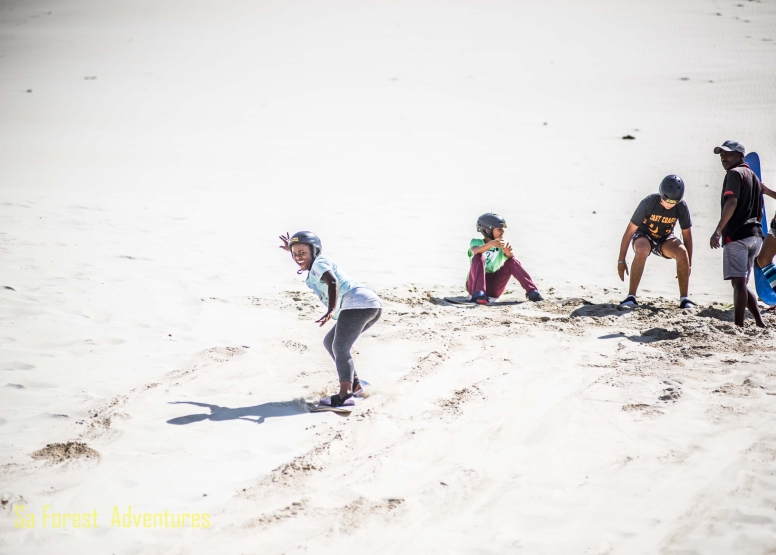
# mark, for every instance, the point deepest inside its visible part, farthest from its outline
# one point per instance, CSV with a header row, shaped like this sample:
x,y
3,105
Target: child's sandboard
x,y
327,408
764,290
324,406
467,301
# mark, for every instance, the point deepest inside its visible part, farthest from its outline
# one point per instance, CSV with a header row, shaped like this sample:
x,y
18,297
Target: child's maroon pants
x,y
495,283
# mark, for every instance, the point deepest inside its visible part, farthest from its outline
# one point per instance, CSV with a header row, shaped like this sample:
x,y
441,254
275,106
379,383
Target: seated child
x,y
493,263
355,307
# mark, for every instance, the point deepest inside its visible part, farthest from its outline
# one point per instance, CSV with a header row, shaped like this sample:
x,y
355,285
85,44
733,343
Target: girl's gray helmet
x,y
487,222
308,238
672,188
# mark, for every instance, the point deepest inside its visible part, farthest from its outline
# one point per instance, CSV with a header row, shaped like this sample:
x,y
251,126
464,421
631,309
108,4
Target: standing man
x,y
651,230
739,227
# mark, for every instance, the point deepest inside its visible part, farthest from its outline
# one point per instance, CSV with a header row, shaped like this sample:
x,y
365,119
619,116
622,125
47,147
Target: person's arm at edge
x,y
626,239
768,192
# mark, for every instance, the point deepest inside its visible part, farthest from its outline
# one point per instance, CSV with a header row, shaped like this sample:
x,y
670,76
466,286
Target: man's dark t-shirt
x,y
741,183
657,222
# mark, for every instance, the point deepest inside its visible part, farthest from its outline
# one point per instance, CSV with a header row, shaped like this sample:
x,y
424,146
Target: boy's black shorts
x,y
657,246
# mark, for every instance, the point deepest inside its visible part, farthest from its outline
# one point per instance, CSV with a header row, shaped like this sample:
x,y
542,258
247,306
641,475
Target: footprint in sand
x,y
19,366
107,340
294,346
8,500
671,394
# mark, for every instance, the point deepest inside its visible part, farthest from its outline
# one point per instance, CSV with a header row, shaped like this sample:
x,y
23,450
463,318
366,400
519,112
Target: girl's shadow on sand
x,y
255,414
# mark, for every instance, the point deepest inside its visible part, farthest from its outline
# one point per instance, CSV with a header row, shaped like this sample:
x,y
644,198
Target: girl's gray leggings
x,y
350,324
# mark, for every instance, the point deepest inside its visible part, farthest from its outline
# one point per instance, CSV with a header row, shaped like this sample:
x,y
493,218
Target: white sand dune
x,y
151,153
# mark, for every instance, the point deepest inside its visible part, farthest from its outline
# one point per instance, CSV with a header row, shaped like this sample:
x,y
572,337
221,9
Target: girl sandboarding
x,y
355,307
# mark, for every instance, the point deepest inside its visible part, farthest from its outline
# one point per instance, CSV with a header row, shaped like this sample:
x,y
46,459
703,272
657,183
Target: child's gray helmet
x,y
308,238
487,222
672,188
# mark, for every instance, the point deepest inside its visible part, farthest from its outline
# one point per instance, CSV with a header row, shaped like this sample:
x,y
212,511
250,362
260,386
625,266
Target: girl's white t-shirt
x,y
350,293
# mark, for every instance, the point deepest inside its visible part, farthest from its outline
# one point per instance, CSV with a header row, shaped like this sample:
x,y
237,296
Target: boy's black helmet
x,y
308,238
672,188
487,222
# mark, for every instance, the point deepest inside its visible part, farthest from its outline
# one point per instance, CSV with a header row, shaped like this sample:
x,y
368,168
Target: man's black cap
x,y
730,146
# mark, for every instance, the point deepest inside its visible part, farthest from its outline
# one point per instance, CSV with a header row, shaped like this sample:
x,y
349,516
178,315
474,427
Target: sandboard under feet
x,y
328,408
324,405
467,301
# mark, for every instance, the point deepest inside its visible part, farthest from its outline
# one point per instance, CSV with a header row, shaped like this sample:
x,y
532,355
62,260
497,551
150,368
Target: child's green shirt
x,y
494,258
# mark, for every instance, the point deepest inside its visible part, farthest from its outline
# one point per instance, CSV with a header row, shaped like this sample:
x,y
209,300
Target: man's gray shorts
x,y
738,257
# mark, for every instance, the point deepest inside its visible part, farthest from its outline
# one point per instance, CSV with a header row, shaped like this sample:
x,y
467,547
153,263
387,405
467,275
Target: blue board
x,y
764,291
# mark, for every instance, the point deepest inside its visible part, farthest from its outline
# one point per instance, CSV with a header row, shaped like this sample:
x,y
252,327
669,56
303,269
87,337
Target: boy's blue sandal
x,y
534,296
480,298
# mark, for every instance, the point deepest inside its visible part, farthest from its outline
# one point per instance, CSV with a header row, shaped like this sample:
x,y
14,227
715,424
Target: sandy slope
x,y
559,426
147,313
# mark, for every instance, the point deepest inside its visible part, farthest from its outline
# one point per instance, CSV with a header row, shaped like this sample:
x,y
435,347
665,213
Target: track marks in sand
x,y
326,462
100,417
204,361
426,365
641,408
289,511
454,404
296,471
348,517
356,513
747,388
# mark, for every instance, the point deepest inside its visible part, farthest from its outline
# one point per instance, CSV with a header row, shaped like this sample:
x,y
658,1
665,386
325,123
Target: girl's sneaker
x,y
686,303
630,301
335,401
